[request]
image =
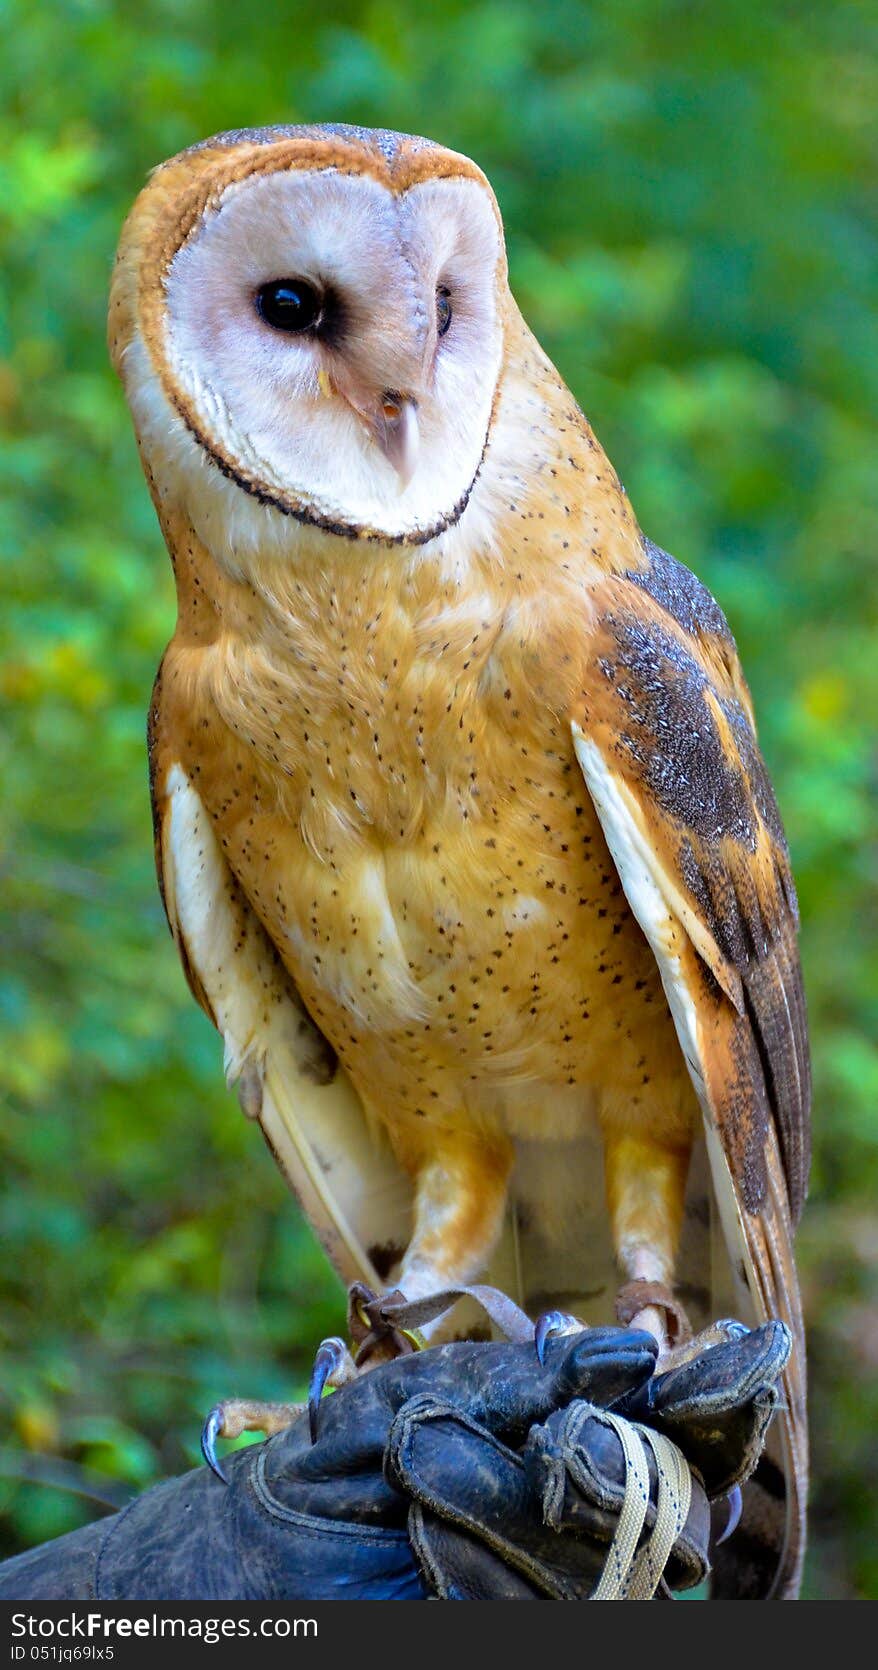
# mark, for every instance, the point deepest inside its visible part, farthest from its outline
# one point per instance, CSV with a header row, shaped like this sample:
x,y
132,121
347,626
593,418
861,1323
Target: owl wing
x,y
287,1075
667,746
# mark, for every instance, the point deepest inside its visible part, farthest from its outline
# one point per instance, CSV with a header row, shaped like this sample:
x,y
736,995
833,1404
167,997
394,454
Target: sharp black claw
x,y
330,1354
551,1322
736,1504
209,1434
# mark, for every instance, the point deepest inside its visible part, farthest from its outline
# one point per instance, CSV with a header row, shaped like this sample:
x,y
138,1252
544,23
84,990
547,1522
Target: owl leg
x,y
460,1181
460,1195
646,1190
460,1198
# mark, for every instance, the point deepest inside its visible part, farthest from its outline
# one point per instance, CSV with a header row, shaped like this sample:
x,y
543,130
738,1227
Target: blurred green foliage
x,y
689,196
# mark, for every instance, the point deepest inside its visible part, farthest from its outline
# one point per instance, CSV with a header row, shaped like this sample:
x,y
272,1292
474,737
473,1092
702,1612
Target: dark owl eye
x,y
443,308
289,304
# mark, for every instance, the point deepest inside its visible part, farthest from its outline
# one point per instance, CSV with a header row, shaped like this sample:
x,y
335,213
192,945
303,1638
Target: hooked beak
x,y
392,421
395,428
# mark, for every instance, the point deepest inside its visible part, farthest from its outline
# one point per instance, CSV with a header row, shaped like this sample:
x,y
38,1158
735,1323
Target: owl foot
x,y
375,1336
553,1322
691,1345
236,1415
651,1305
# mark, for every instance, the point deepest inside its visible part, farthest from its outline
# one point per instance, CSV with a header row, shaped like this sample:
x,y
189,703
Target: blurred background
x,y
689,194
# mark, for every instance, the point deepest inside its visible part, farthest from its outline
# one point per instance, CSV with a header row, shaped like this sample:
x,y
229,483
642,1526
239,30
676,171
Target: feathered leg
x,y
646,1191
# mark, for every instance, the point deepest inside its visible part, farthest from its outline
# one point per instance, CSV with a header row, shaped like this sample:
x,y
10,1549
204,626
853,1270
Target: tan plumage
x,y
463,830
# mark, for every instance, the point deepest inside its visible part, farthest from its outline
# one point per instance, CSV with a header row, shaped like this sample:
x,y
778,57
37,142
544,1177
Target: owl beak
x,y
395,428
392,421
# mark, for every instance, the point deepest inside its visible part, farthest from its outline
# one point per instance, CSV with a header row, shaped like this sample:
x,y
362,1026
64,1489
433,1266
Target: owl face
x,y
323,313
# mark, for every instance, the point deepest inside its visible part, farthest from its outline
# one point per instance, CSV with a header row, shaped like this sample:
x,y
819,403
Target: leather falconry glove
x,y
415,1466
490,1523
319,1520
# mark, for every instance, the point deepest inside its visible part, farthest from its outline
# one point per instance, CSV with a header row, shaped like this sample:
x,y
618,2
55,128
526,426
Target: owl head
x,y
312,318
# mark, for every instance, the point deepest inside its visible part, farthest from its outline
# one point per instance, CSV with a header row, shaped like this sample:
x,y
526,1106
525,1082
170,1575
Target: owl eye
x,y
289,304
443,308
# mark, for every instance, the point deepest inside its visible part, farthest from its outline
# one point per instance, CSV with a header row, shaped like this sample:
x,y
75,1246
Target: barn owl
x,y
462,829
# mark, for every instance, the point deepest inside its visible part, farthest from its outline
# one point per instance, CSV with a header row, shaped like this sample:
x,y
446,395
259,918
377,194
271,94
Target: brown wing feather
x,y
765,1556
670,712
667,743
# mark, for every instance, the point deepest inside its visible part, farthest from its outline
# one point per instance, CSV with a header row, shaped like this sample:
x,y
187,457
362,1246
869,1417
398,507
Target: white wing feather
x,y
348,1183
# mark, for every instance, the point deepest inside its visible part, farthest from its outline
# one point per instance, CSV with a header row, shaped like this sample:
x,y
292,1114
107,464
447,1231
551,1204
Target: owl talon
x,y
210,1432
552,1322
333,1366
736,1505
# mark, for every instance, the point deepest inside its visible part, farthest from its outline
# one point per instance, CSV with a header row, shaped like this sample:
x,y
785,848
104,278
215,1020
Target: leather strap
x,y
391,1317
637,1295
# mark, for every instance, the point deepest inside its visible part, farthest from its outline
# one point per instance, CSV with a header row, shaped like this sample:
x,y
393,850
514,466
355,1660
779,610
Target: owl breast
x,y
404,811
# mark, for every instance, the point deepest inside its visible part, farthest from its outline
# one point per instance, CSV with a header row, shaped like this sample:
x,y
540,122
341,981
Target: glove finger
x,y
726,1375
468,1478
717,1406
576,1465
504,1388
334,1478
456,1566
